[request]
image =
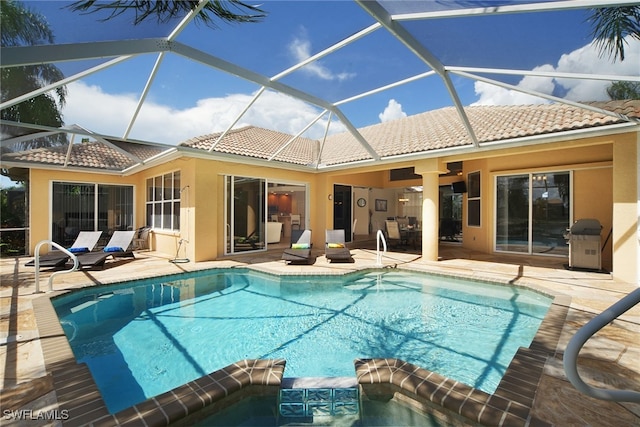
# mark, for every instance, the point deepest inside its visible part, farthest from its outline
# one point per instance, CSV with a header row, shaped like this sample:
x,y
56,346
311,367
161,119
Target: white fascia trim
x,y
46,166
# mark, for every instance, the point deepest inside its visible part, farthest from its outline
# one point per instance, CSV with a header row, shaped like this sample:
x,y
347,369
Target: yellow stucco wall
x,y
625,208
592,168
40,198
604,187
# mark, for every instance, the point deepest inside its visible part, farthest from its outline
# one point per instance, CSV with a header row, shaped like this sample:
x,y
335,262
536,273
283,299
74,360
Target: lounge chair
x,y
335,246
85,242
300,250
118,246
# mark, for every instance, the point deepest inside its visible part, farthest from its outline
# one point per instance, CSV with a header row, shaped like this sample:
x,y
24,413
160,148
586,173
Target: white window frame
x,y
158,205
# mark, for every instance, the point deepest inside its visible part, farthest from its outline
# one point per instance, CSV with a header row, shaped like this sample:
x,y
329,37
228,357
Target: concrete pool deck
x,y
609,359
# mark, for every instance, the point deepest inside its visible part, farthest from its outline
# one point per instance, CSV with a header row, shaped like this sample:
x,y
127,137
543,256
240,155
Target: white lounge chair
x,y
85,242
118,246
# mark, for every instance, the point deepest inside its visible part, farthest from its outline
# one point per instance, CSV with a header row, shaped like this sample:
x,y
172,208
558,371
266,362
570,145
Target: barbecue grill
x,y
584,244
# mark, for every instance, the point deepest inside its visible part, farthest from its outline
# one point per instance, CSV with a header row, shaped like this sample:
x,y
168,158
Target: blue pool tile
x,y
293,395
345,394
319,395
293,409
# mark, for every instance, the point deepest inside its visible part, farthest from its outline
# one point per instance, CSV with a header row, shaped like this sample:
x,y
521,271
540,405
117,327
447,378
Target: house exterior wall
x,y
604,176
589,161
40,183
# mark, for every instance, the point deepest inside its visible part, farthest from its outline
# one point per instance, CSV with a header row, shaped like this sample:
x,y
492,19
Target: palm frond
x,y
166,10
610,27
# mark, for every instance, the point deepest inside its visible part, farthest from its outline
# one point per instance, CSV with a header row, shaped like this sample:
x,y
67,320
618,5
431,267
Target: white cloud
x,y
583,60
392,111
300,49
93,109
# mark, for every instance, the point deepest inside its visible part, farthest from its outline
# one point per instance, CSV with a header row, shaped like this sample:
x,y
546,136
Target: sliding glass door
x,y
533,212
80,207
245,214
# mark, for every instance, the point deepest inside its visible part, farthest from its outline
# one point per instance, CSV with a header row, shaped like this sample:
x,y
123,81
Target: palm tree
x,y
165,10
23,27
611,25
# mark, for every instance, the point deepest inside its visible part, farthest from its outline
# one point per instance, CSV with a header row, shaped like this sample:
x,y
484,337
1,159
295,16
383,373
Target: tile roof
x,y
423,132
443,128
94,155
259,143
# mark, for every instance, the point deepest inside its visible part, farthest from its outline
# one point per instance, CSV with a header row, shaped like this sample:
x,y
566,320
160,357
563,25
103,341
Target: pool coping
x,y
511,404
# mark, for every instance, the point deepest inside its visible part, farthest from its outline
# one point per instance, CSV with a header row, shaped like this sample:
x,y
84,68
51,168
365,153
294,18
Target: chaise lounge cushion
x,y
335,246
300,250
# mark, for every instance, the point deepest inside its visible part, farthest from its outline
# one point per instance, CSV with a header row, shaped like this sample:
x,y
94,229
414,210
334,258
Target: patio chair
x,y
394,235
85,242
118,246
300,250
335,247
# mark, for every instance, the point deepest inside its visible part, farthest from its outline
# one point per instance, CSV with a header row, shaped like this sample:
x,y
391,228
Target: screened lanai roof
x,y
321,82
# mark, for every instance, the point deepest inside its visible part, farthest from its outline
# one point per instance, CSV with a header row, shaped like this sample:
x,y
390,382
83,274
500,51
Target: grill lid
x,y
586,226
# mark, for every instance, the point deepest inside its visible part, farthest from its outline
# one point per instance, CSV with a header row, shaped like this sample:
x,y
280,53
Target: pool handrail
x,y
380,237
37,263
570,358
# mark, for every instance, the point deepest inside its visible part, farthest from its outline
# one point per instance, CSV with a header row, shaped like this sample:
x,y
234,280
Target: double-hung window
x,y
163,201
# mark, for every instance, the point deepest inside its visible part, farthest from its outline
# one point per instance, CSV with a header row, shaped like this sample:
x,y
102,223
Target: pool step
x,y
310,405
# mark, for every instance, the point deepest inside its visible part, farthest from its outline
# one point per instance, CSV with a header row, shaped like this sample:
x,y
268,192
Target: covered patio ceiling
x,y
426,54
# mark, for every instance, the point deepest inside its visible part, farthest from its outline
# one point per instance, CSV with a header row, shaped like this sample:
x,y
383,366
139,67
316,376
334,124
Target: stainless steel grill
x,y
584,244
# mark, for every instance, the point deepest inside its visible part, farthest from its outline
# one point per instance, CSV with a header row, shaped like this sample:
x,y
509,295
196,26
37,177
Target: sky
x,y
188,99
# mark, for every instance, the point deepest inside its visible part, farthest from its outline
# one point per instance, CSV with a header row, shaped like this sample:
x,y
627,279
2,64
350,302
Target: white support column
x,y
430,170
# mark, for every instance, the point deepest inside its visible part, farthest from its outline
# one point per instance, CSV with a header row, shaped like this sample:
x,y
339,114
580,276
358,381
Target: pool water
x,y
143,338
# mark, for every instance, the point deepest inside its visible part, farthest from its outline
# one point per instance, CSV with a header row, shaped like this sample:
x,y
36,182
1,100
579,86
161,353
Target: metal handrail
x,y
37,263
577,341
380,237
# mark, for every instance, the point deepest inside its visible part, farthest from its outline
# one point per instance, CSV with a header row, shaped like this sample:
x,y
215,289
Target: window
x,y
163,201
89,207
473,199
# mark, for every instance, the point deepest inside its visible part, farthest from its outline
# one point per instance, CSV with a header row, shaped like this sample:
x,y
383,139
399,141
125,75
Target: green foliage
x,y
624,90
611,25
23,27
165,10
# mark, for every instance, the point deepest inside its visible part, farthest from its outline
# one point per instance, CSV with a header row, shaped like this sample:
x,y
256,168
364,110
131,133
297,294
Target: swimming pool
x,y
143,338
